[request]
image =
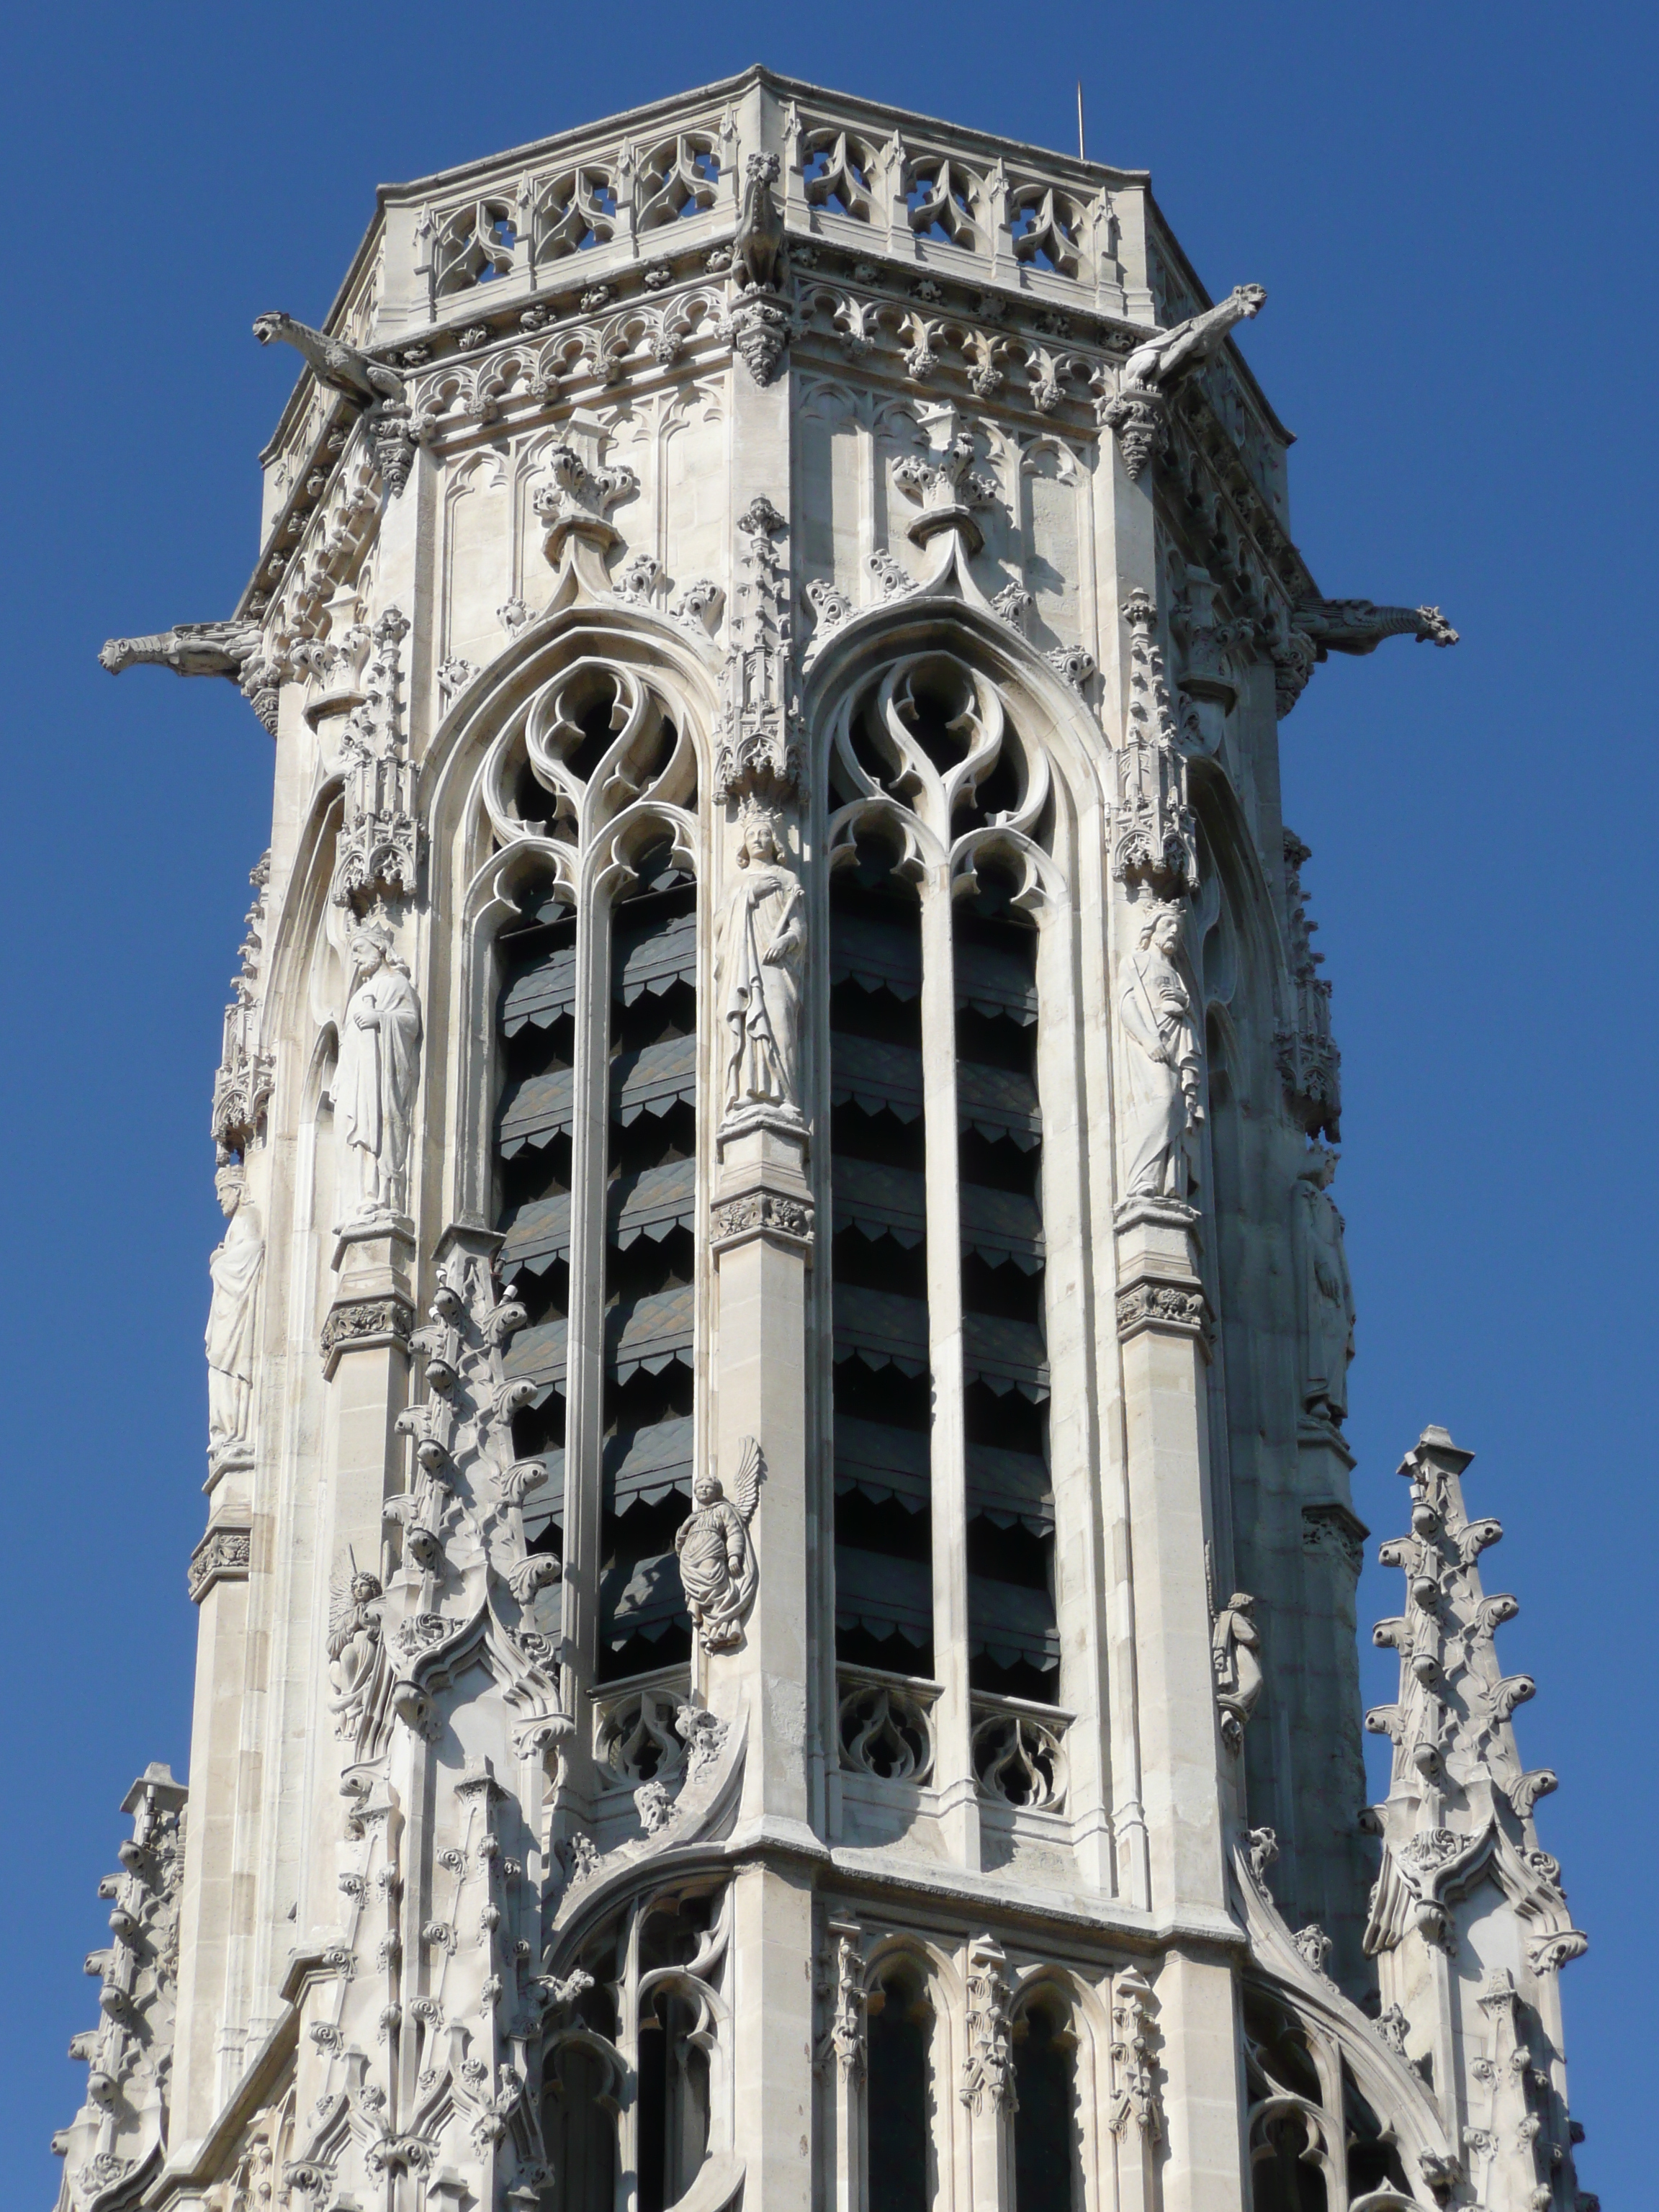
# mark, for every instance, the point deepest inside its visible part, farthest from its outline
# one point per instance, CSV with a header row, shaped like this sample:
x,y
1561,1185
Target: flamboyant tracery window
x,y
938,1262
637,2059
595,1138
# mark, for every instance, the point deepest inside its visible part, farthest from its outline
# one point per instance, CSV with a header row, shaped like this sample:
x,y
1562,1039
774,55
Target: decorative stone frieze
x,y
1149,1304
363,1324
761,1213
224,1554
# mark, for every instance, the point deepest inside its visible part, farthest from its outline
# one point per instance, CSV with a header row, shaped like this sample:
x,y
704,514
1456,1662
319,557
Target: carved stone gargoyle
x,y
377,390
760,321
234,649
1360,625
1138,416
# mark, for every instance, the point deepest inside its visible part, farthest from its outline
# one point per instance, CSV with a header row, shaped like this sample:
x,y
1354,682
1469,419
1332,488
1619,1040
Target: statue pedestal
x,y
373,1306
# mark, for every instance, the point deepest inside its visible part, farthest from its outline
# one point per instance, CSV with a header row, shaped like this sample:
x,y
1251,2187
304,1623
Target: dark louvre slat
x,y
644,1599
1005,1355
537,1355
537,1234
995,978
880,1200
647,1465
541,992
654,1080
534,1111
884,1595
651,1331
654,959
1001,1225
1011,1624
1009,1486
882,1463
880,955
880,1328
654,1202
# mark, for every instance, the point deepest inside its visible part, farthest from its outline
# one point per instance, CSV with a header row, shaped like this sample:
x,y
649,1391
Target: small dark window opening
x,y
1045,2126
898,2096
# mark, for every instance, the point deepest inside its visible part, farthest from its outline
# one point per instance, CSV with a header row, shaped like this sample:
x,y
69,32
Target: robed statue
x,y
765,940
1235,1655
1328,1315
1162,1105
234,1269
374,1084
718,1571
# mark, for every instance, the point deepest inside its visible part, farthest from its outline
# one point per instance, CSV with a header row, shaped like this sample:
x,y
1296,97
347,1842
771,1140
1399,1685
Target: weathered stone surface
x,y
780,1534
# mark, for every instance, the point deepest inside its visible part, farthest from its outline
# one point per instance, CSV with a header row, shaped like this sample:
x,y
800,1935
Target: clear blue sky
x,y
1452,208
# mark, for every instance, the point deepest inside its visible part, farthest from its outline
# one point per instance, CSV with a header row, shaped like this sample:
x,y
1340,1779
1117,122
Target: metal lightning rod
x,y
1081,155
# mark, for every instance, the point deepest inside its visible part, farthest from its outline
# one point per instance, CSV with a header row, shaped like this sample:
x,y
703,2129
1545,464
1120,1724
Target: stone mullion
x,y
953,1765
1080,1567
583,1374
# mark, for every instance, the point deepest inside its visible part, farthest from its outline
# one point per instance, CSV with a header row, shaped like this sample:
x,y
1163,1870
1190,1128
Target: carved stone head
x,y
229,1183
1161,926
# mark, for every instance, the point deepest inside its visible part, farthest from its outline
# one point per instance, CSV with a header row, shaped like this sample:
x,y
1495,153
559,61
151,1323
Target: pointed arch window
x,y
591,789
941,1380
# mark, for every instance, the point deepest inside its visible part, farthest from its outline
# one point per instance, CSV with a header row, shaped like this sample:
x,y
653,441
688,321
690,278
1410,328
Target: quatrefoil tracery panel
x,y
575,211
943,199
836,171
681,179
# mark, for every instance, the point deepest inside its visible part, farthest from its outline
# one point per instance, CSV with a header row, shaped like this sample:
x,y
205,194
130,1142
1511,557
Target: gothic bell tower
x,y
777,1610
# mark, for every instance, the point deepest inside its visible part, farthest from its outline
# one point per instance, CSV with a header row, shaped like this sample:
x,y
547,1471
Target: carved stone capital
x,y
224,1555
364,1325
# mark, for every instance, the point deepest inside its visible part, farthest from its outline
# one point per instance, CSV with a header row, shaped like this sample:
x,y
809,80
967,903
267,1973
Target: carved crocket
x,y
340,366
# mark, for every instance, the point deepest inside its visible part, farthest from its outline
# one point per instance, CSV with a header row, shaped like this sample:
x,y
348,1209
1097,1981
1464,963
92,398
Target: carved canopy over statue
x,y
235,1268
375,1088
765,939
1163,1090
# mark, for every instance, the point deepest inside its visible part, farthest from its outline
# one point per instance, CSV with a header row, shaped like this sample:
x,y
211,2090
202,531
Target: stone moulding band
x,y
363,1325
1149,1304
224,1555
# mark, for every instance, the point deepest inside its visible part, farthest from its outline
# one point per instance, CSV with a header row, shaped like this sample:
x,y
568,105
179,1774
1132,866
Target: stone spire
x,y
1468,1919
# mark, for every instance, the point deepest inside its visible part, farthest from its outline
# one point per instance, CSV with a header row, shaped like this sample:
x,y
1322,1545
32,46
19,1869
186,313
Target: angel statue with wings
x,y
355,1611
718,1567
